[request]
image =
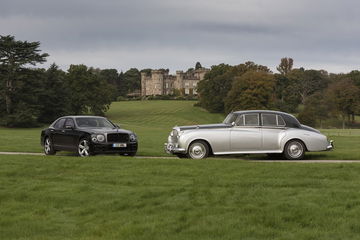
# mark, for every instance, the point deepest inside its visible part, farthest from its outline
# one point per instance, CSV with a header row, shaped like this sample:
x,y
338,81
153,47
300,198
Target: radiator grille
x,y
118,137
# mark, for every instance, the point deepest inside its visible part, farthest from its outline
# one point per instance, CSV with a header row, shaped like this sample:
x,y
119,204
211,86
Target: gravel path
x,y
262,161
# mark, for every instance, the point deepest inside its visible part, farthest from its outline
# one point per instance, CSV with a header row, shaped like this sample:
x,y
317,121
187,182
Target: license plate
x,y
119,145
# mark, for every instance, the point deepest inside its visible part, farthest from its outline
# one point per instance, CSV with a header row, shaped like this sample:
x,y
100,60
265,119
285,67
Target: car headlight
x,y
98,138
174,133
132,137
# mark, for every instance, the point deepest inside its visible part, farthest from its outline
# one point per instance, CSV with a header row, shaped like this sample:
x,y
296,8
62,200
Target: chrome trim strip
x,y
248,152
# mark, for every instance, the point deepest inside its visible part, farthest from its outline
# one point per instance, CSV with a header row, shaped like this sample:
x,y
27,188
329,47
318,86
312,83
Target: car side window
x,y
269,119
69,123
240,121
60,123
280,120
251,119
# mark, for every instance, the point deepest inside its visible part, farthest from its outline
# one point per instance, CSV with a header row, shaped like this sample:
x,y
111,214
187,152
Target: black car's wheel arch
x,y
295,139
203,140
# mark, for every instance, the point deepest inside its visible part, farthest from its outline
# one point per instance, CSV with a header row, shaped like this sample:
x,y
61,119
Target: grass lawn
x,y
111,197
153,120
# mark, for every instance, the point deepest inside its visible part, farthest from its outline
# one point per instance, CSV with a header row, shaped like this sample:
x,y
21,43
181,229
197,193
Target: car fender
x,y
218,139
313,141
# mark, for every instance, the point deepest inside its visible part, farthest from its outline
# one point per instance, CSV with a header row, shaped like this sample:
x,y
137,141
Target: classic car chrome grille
x,y
118,137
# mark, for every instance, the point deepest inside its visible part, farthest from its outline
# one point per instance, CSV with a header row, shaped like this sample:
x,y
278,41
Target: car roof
x,y
289,119
77,116
263,111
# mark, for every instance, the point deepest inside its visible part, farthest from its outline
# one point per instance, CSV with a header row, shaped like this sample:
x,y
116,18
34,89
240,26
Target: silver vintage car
x,y
248,132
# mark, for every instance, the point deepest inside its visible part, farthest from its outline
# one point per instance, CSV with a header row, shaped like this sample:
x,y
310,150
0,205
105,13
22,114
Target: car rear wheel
x,y
198,150
48,147
294,150
84,148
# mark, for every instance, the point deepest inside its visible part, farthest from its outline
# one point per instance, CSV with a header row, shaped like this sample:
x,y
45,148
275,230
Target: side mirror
x,y
233,124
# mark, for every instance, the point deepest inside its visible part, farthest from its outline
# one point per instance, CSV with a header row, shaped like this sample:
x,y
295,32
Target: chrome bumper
x,y
172,148
330,146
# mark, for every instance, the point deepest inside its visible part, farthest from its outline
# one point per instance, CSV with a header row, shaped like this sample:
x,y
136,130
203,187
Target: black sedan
x,y
87,135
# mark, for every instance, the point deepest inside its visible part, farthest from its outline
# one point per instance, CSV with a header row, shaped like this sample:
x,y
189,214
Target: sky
x,y
175,34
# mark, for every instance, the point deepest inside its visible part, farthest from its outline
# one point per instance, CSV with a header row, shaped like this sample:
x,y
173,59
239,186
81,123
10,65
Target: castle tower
x,y
157,78
144,78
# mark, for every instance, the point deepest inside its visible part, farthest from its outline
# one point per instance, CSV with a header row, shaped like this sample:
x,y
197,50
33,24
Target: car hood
x,y
205,126
105,130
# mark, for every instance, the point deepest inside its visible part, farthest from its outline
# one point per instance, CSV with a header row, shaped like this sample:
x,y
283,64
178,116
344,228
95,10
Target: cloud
x,y
175,34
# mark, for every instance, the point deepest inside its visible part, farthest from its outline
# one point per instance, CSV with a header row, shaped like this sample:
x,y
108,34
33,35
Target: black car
x,y
88,135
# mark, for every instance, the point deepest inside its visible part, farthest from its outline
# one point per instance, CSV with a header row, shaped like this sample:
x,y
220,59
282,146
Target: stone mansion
x,y
160,82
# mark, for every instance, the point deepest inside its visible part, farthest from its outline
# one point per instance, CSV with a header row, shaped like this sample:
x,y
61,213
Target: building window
x,y
187,91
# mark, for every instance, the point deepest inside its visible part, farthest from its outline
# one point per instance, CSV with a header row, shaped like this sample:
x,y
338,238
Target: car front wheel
x,y
294,150
48,147
198,150
84,148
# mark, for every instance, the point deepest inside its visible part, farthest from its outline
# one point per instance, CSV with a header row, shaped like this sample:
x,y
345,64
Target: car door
x,y
273,130
69,135
245,135
57,132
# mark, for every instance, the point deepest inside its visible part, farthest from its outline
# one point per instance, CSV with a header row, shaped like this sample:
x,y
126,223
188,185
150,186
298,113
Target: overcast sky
x,y
174,34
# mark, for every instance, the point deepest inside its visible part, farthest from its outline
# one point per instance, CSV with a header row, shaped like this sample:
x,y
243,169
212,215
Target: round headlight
x,y
132,137
174,133
100,138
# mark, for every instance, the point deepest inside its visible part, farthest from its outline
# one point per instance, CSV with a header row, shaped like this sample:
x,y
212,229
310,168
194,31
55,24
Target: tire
x,y
294,150
48,147
84,148
198,150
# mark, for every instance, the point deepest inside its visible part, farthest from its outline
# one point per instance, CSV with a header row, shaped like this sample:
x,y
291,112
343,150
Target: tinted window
x,y
269,119
69,122
60,123
251,119
88,122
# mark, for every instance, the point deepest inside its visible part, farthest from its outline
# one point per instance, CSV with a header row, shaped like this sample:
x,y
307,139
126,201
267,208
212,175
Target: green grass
x,y
125,198
153,120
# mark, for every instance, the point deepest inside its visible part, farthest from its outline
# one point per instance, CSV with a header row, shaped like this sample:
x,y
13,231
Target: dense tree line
x,y
30,96
315,95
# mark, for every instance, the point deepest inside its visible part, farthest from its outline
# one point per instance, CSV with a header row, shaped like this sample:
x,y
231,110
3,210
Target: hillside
x,y
152,121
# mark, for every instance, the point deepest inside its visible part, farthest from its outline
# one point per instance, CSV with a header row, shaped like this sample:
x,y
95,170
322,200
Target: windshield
x,y
90,122
230,118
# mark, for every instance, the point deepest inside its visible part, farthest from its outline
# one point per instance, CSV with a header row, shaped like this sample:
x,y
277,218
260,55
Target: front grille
x,y
118,137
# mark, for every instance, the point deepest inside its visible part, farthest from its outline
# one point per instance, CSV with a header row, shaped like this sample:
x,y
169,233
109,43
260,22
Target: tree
x,y
317,108
344,96
216,84
198,65
303,83
251,90
54,97
111,76
89,93
214,87
132,80
26,104
13,56
285,65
